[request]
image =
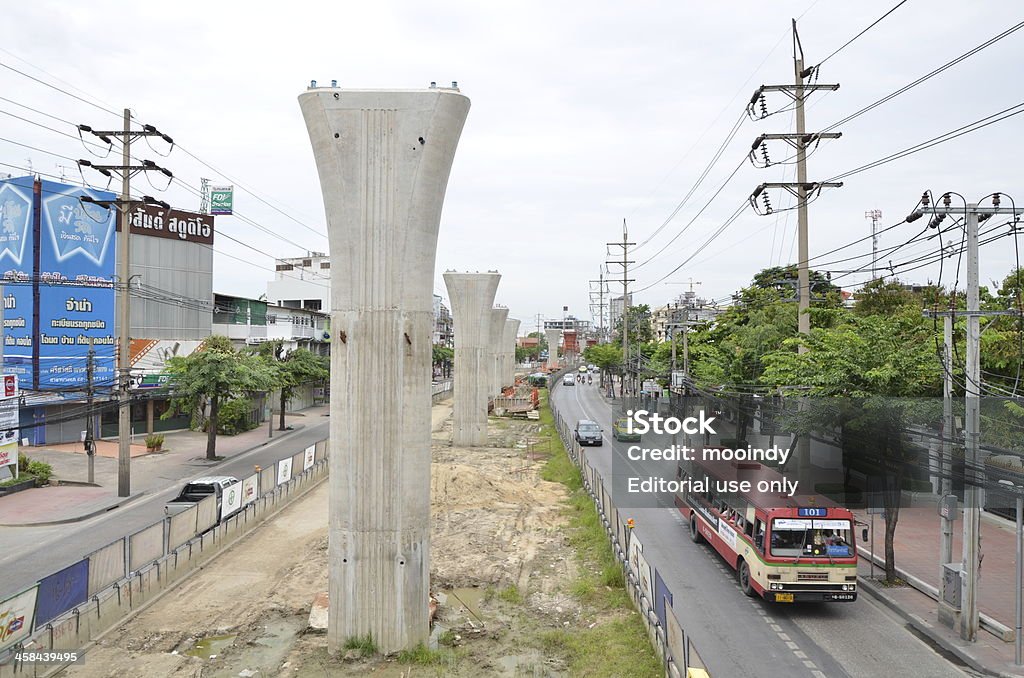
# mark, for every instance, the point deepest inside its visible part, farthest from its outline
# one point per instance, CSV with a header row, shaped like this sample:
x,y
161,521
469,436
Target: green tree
x,y
641,328
607,357
212,375
443,358
292,369
869,373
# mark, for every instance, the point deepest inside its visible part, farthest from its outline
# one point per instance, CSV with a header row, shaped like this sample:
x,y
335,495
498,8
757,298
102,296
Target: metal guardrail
x,y
70,608
649,594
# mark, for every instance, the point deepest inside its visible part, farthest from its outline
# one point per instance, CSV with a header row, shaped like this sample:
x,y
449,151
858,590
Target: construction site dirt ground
x,y
502,569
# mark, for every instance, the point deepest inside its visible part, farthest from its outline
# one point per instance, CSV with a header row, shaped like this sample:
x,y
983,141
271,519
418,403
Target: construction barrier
x,y
146,545
107,565
646,588
70,608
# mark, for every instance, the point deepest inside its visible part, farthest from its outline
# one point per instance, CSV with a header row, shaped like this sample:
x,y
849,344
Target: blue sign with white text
x,y
16,269
76,294
61,591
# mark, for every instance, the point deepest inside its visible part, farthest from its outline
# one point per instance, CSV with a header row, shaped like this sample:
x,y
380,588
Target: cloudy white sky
x,y
583,114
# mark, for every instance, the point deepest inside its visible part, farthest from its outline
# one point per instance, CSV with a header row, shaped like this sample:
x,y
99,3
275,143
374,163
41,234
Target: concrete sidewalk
x,y
917,557
183,456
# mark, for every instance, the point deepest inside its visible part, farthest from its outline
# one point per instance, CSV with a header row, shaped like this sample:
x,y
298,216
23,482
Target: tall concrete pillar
x,y
383,158
498,317
509,345
552,336
472,295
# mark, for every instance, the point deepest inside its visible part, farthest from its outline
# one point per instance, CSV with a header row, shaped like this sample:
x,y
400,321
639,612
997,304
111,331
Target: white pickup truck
x,y
200,489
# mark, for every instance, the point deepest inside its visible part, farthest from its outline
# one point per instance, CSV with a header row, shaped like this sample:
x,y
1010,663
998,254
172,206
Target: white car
x,y
569,380
199,489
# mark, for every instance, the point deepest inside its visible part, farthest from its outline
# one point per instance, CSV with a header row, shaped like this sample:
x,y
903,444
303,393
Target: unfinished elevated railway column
x,y
552,336
509,346
471,295
497,334
384,158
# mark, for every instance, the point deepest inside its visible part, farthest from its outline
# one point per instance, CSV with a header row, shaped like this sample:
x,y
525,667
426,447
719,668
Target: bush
x,y
234,417
41,470
154,440
23,461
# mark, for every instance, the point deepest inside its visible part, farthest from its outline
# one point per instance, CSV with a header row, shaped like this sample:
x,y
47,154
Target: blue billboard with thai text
x,y
76,287
16,267
73,283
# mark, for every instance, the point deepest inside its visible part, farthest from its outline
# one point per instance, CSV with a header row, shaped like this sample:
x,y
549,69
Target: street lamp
x,y
1018,493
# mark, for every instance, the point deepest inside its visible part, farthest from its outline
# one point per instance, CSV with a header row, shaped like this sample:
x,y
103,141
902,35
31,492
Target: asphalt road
x,y
29,553
736,635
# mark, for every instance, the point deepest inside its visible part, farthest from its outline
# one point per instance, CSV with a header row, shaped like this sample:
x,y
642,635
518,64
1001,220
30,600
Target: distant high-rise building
x,y
615,308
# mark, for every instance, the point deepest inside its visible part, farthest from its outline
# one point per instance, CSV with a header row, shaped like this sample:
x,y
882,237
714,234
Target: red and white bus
x,y
784,549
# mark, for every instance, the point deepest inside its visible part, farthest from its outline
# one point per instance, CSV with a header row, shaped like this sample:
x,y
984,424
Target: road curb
x,y
76,519
119,504
926,629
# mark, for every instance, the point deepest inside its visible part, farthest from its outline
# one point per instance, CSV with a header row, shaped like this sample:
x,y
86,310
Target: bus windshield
x,y
807,537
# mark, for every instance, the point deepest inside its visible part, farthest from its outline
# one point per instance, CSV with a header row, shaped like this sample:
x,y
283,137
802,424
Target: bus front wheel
x,y
743,574
694,534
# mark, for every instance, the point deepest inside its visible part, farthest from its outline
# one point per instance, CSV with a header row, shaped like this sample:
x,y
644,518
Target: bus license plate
x,y
783,597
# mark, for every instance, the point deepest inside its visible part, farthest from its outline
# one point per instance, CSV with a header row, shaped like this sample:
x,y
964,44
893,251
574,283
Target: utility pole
x,y
973,477
875,216
972,373
946,460
600,304
946,467
801,189
90,442
125,205
624,263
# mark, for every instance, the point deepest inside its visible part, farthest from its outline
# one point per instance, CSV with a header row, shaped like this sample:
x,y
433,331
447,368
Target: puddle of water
x,y
211,646
273,644
465,600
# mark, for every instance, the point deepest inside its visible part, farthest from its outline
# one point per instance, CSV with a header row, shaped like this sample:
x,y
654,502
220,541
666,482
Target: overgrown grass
x,y
364,643
423,656
511,594
619,647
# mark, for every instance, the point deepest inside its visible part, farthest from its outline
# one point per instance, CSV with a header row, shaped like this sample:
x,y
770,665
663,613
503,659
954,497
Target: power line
x,y
928,76
695,217
184,150
251,192
850,41
700,179
728,222
981,123
54,87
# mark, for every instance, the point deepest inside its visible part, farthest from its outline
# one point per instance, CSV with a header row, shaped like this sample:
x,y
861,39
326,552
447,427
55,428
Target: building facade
x,y
444,329
302,282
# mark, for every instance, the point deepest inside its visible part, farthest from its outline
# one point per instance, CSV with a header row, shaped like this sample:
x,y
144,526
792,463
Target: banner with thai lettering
x,y
16,267
76,293
151,220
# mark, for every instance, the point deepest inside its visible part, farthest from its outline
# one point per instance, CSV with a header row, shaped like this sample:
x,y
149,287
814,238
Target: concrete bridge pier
x,y
497,335
384,158
509,344
472,296
552,336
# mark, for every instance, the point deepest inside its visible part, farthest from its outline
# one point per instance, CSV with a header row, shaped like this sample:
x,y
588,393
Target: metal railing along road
x,y
68,609
648,591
